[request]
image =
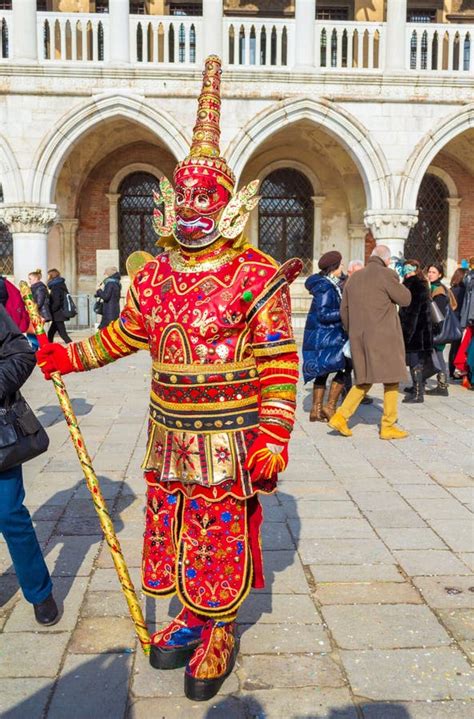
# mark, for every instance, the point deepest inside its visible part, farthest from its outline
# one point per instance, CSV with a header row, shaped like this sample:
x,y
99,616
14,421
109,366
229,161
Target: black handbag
x,y
22,436
99,306
449,329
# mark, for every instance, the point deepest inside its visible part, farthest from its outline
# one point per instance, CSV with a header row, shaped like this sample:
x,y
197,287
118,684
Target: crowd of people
x,y
377,321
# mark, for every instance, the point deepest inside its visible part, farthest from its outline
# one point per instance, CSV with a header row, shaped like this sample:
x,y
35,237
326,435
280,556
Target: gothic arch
x,y
72,127
10,176
344,127
427,149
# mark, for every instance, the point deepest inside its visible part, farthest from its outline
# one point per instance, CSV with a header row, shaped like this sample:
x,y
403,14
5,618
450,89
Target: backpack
x,y
14,304
69,307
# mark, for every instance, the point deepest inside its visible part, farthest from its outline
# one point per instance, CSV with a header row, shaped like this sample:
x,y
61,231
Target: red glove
x,y
53,357
266,457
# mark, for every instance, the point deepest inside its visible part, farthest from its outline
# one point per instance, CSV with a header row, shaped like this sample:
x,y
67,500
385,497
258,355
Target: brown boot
x,y
316,414
335,391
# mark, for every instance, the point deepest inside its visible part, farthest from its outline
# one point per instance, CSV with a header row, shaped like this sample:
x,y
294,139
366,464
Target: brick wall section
x,y
464,182
93,205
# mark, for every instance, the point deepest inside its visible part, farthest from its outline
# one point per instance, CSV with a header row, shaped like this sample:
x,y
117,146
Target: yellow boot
x,y
339,420
388,428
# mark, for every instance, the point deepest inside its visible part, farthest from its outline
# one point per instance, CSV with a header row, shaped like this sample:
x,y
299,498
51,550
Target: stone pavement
x,y
368,609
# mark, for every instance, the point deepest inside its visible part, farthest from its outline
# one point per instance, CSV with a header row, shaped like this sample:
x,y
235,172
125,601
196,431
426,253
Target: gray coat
x,y
369,314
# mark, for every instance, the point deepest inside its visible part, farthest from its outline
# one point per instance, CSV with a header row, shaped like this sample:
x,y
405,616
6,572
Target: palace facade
x,y
357,117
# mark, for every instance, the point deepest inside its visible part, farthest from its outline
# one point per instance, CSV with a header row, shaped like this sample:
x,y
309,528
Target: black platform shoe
x,y
219,642
174,646
46,613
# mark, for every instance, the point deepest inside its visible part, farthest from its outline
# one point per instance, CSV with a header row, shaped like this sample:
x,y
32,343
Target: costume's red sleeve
x,y
276,357
120,338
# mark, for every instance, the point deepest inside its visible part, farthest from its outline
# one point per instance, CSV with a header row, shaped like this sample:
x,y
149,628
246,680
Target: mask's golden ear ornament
x,y
164,219
236,213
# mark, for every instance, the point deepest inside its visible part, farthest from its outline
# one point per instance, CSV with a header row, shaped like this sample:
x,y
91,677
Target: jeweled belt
x,y
204,398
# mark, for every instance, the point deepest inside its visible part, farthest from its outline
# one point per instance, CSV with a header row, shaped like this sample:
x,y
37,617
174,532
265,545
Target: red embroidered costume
x,y
214,312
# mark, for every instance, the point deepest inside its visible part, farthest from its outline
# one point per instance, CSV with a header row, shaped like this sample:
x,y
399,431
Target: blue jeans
x,y
17,528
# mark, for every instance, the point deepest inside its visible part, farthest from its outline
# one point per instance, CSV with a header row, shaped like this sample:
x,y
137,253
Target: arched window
x,y
286,217
428,239
136,215
6,246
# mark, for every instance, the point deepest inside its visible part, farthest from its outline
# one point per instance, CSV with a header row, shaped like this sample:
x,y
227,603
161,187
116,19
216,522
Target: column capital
x,y
318,200
28,219
390,224
357,230
454,201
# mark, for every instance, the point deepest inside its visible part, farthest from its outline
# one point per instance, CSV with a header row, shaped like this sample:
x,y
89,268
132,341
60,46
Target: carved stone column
x,y
318,201
113,198
391,227
453,233
357,233
29,226
68,251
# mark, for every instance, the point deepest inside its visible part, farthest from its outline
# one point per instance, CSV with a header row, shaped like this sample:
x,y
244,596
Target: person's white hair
x,y
353,264
383,252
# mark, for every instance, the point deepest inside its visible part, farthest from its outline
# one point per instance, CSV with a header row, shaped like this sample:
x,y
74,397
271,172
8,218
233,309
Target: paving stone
x,y
457,533
401,519
284,573
103,635
71,556
173,708
315,509
308,528
28,654
283,639
418,710
384,627
460,622
278,609
344,551
367,593
467,558
411,538
429,562
302,703
68,593
104,604
24,698
94,686
376,501
423,491
467,647
446,592
149,682
263,672
448,508
322,491
356,573
421,674
131,550
107,579
452,479
275,536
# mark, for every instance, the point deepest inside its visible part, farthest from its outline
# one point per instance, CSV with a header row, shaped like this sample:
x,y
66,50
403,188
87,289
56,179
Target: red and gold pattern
x,y
211,659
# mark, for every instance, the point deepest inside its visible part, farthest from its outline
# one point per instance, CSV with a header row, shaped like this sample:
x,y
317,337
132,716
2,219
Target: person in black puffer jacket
x,y
416,327
17,361
458,288
58,291
324,337
40,295
110,296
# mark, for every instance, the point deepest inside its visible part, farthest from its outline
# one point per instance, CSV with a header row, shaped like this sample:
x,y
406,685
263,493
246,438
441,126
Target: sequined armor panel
x,y
218,327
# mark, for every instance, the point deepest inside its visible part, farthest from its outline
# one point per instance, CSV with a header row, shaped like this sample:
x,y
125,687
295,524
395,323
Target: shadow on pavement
x,y
96,688
51,414
248,707
76,531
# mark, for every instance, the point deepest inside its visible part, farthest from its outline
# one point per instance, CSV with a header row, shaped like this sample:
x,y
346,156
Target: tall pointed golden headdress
x,y
204,154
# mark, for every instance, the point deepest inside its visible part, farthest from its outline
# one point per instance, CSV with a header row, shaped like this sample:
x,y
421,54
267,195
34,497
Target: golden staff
x,y
91,479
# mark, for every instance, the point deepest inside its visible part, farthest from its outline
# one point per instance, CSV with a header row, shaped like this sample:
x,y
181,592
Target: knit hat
x,y
329,259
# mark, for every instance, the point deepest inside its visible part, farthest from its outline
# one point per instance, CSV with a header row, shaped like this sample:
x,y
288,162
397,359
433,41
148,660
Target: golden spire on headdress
x,y
206,132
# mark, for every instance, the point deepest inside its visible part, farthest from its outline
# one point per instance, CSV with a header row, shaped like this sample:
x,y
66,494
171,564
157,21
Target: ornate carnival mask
x,y
202,206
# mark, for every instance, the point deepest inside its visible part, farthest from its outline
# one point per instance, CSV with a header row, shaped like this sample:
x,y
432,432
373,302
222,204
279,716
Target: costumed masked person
x,y
215,314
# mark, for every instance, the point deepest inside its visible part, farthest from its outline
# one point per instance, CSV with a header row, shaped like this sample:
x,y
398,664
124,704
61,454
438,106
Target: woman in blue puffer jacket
x,y
324,336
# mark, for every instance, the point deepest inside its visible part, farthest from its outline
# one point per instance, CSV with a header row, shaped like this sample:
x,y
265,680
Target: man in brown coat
x,y
370,316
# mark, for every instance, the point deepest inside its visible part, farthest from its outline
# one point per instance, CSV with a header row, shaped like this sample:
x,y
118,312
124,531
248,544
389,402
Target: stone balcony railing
x,y
251,44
